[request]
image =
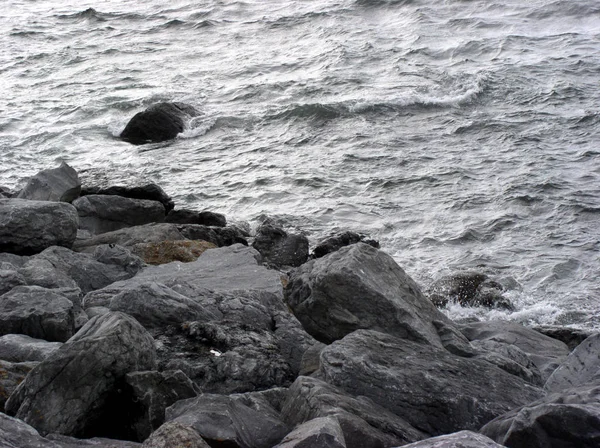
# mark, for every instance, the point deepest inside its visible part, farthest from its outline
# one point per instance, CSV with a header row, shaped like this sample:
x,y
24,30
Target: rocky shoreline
x,y
127,322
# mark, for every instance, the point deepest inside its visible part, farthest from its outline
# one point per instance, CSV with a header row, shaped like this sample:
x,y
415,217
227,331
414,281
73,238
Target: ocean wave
x,y
91,14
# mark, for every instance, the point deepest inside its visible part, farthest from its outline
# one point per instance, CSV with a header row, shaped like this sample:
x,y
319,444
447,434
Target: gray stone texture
x,y
57,184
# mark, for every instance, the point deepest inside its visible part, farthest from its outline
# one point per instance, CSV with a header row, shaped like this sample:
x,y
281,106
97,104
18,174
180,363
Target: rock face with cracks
x,y
72,392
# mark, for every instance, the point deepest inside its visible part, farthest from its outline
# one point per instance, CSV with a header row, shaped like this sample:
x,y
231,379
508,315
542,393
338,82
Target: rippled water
x,y
461,134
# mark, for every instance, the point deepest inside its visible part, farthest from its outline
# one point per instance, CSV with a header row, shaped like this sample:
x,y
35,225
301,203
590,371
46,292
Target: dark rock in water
x,y
567,419
21,348
570,336
105,213
151,192
435,391
58,184
323,432
462,439
358,287
340,240
233,420
153,392
75,390
175,435
220,236
9,279
204,218
36,312
167,251
11,375
546,353
582,366
6,193
469,289
278,248
29,227
364,423
160,122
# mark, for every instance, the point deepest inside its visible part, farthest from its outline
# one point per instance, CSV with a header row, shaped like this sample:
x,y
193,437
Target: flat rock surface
x,y
433,390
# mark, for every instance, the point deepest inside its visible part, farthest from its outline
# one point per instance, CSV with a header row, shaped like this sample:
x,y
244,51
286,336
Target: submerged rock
x,y
58,184
29,227
469,289
160,122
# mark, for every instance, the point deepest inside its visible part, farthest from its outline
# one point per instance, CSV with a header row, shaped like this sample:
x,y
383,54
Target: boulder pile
x,y
125,322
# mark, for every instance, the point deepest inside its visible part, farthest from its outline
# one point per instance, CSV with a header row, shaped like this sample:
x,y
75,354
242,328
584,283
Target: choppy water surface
x,y
460,134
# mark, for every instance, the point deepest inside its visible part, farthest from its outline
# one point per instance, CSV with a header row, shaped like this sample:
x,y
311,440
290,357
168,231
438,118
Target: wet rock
x,y
153,392
29,227
323,432
159,122
570,336
546,353
204,218
81,380
9,279
340,240
278,248
106,213
581,366
156,305
6,192
58,184
364,423
168,251
469,289
21,348
435,391
36,312
11,375
230,420
567,419
175,435
462,439
358,287
151,192
220,236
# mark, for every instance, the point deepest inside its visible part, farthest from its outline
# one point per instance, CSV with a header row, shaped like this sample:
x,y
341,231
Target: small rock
x,y
192,217
340,240
570,336
175,435
278,248
160,122
9,279
58,184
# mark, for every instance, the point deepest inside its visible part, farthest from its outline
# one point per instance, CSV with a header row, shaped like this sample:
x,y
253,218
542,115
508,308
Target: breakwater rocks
x,y
126,322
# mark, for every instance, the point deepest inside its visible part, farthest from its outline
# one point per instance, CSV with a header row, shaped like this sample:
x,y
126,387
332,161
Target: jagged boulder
x,y
159,122
106,213
28,227
278,248
21,348
433,390
175,435
323,432
75,390
58,184
357,287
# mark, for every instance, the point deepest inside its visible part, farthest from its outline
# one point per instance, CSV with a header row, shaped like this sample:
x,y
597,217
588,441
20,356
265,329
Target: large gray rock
x,y
175,435
156,305
130,236
160,122
153,392
11,375
435,391
29,227
151,192
41,272
278,248
105,213
21,348
567,419
58,184
36,312
75,390
323,432
545,352
360,287
9,279
462,439
364,423
581,366
231,420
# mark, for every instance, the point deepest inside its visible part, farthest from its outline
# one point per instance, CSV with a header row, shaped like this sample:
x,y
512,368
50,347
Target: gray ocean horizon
x,y
463,135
